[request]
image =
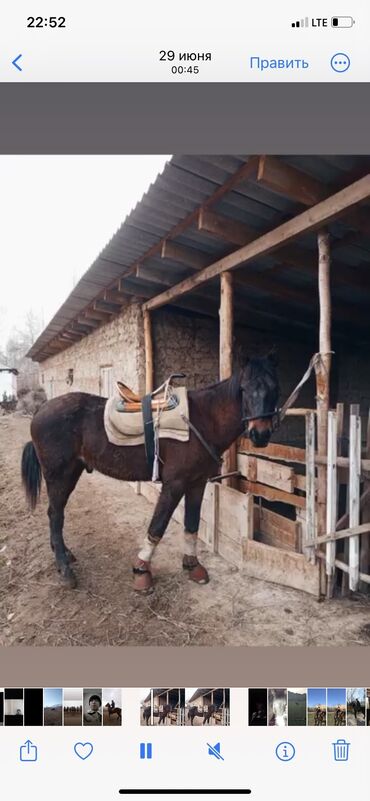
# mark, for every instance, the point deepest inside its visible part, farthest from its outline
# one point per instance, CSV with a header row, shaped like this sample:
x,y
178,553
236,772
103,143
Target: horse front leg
x,y
168,500
190,562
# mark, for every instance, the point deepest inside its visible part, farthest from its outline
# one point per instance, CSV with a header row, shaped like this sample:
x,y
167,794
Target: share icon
x,y
215,750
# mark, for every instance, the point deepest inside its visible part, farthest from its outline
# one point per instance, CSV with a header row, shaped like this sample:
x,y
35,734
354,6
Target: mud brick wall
x,y
190,344
118,343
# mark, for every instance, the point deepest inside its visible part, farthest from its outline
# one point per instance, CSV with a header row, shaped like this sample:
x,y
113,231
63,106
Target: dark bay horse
x,y
206,714
68,437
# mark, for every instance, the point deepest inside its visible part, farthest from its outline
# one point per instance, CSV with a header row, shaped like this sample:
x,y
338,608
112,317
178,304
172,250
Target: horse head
x,y
260,391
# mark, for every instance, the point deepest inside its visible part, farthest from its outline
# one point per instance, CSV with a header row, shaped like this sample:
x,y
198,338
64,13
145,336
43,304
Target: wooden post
x,y
354,498
331,508
148,346
226,353
323,376
310,528
365,540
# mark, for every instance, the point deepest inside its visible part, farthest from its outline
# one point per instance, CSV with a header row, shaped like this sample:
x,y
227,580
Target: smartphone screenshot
x,y
184,400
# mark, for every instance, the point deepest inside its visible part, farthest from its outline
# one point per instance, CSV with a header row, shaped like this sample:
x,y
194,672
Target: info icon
x,y
285,751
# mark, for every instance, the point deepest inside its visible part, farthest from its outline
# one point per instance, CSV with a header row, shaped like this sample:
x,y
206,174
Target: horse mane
x,y
230,387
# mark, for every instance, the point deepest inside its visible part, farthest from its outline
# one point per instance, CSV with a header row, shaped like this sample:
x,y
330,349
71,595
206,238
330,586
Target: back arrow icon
x,y
14,62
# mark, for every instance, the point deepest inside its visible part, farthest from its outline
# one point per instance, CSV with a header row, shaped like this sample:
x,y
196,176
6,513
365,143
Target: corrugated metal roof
x,y
186,183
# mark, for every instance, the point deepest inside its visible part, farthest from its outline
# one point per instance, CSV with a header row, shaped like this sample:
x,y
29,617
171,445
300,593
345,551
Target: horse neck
x,y
221,413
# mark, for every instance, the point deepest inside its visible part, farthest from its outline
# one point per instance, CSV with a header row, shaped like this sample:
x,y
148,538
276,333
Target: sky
x,y
58,212
112,694
72,695
53,697
316,696
337,696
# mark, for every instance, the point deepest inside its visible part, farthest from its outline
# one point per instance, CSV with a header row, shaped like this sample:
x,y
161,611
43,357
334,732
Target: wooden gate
x,y
344,547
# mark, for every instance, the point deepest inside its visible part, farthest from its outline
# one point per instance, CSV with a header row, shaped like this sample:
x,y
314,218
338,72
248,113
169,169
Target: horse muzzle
x,y
260,433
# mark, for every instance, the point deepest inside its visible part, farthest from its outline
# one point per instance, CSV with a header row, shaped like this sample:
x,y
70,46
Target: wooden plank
x,y
332,499
354,498
365,542
215,517
309,220
282,453
265,472
271,494
309,532
274,529
282,567
296,412
354,531
235,514
148,348
226,354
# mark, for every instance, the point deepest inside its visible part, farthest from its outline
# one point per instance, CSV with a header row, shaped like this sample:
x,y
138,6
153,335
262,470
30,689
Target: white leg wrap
x,y
190,544
147,550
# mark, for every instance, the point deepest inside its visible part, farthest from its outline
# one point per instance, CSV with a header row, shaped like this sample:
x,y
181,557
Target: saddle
x,y
162,414
160,400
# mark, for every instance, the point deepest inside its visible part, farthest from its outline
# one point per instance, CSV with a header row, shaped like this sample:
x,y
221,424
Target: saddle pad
x,y
127,428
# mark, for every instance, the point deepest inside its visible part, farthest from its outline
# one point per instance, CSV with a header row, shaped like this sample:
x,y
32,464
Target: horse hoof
x,y
68,578
143,579
196,572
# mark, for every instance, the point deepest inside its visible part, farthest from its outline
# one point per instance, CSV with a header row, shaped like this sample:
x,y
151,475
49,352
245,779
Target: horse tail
x,y
31,474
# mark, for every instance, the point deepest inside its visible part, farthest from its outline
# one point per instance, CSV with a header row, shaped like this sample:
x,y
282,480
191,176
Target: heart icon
x,y
83,750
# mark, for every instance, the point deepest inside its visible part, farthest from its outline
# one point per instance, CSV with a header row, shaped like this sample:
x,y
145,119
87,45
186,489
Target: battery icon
x,y
342,22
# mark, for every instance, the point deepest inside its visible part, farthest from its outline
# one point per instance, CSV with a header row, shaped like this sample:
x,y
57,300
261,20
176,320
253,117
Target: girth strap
x,y
147,412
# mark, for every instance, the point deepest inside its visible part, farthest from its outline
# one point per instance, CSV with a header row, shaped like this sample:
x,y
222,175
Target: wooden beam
x,y
110,308
225,228
71,336
148,346
309,220
226,354
289,181
98,315
190,257
88,321
299,259
115,297
355,531
296,185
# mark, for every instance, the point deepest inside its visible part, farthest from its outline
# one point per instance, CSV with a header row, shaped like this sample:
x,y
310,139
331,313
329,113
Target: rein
x,y
212,452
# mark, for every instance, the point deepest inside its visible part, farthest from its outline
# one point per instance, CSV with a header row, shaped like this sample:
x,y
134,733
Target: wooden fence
x,y
279,541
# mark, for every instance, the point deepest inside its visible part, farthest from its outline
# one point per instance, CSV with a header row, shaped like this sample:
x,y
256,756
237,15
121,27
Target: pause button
x,y
146,750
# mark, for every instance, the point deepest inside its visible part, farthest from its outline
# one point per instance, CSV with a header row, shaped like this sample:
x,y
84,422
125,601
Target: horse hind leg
x,y
59,490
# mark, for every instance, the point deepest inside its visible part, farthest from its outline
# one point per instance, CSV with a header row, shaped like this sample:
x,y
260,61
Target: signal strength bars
x,y
301,23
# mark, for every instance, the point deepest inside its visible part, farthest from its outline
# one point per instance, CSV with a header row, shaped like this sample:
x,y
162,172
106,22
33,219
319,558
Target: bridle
x,y
278,414
275,417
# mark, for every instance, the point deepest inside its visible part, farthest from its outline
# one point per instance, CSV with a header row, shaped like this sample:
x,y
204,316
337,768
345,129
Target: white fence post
x,y
331,505
310,529
354,498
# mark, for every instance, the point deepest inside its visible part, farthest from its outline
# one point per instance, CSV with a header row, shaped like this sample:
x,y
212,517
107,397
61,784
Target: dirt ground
x,y
105,524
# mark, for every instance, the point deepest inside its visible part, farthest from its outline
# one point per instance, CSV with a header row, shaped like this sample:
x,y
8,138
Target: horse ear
x,y
273,356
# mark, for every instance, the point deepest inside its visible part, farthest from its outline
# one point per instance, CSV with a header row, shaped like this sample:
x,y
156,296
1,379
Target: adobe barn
x,y
226,257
